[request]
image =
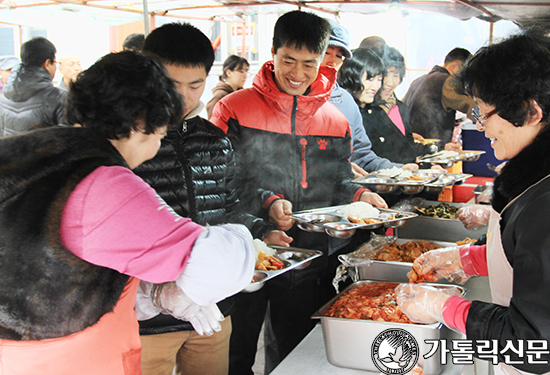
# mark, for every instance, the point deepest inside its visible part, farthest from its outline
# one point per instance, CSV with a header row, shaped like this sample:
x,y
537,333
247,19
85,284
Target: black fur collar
x,y
530,166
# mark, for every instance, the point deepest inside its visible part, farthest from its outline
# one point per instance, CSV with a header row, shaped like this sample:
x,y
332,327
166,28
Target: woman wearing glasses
x,y
510,81
233,78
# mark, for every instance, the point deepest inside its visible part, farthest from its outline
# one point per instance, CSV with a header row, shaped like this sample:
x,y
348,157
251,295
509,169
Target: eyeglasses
x,y
245,72
482,118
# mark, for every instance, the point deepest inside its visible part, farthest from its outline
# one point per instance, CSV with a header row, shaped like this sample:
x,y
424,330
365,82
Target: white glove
x,y
205,319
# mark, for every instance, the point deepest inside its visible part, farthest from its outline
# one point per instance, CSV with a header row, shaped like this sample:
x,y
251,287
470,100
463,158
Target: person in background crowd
x,y
234,75
363,158
134,42
293,150
433,100
386,120
375,43
194,173
361,76
69,67
29,96
7,63
513,112
79,229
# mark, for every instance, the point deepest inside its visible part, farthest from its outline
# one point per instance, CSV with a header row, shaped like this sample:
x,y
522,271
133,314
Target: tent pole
x,y
145,17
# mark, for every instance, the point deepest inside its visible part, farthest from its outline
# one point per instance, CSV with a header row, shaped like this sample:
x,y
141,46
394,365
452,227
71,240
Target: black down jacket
x,y
194,173
29,99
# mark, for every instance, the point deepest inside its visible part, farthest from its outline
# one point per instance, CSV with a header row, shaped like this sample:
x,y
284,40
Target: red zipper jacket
x,y
291,147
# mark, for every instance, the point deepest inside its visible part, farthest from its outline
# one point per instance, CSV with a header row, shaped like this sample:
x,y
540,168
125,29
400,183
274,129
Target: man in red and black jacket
x,y
292,150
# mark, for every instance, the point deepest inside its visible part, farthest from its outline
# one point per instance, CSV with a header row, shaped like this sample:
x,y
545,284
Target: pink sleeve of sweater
x,y
114,219
474,260
474,263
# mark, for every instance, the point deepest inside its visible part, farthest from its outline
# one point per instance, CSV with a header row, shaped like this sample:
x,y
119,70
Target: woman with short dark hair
x,y
510,82
80,229
233,77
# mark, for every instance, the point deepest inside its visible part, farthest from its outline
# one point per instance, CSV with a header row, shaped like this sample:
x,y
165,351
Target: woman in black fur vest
x,y
78,229
510,81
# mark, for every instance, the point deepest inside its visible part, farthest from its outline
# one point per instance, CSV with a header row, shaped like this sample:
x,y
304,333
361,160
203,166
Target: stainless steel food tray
x,y
469,155
348,342
328,220
292,257
385,270
439,179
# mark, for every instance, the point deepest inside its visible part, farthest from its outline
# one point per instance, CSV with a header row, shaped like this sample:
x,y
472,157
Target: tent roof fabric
x,y
115,12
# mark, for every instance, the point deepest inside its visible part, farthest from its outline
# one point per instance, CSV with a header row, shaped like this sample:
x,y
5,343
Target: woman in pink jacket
x,y
79,229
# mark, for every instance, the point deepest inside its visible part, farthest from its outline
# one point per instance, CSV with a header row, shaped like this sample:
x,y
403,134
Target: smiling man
x,y
292,150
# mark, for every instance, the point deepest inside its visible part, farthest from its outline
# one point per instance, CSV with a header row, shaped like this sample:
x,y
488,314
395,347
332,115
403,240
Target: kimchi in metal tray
x,y
335,224
348,342
292,258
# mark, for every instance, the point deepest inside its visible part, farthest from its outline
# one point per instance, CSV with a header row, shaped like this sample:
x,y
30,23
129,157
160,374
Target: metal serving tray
x,y
469,155
292,257
385,270
439,179
432,228
348,342
328,220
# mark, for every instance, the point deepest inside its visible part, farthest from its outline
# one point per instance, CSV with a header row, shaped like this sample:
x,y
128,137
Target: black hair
x,y
134,42
37,51
180,44
120,88
301,30
351,73
392,58
457,54
511,73
233,63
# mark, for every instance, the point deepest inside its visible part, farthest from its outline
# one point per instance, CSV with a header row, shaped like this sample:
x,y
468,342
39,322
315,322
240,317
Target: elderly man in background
x,y
69,67
433,100
29,98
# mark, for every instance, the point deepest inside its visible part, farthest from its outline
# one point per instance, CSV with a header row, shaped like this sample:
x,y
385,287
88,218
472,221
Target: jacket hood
x,y
528,167
223,87
25,81
319,91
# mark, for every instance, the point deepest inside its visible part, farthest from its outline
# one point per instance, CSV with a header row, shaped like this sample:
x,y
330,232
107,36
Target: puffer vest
x,y
45,290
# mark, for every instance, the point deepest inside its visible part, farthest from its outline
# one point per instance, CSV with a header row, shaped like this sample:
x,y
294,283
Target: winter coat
x,y
433,104
522,197
296,147
220,90
362,154
387,140
39,171
29,99
193,172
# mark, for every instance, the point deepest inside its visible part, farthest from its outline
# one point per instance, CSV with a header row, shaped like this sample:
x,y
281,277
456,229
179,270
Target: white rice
x,y
359,209
260,245
394,172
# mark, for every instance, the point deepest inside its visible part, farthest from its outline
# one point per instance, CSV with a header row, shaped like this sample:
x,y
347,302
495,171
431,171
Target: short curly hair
x,y
121,88
511,73
363,61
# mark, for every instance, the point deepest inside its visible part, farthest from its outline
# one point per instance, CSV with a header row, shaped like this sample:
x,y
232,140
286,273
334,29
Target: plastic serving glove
x,y
205,319
440,263
474,216
424,303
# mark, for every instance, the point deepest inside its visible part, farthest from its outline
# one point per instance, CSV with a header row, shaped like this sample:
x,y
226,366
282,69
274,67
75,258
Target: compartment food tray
x,y
469,155
292,257
348,342
439,179
328,220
